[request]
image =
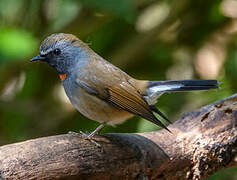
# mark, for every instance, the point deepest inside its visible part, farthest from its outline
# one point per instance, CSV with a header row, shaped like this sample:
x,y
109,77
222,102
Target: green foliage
x,y
231,64
16,44
66,11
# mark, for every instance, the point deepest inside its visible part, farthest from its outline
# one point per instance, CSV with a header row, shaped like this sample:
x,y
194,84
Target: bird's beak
x,y
37,58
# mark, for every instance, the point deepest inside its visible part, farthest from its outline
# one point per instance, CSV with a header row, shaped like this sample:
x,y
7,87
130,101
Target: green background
x,y
155,40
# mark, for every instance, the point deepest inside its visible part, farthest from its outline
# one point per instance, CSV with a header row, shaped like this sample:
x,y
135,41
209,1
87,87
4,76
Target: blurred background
x,y
149,39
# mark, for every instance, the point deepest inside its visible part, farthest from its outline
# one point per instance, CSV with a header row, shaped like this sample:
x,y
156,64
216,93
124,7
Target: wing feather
x,y
118,91
132,102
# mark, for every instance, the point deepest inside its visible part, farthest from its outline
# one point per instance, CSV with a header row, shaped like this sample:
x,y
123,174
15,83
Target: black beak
x,y
37,58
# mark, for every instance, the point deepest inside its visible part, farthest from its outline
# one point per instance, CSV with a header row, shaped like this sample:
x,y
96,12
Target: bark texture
x,y
201,143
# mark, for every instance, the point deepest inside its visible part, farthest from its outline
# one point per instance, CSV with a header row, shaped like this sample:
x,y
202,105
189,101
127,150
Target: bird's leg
x,y
97,130
89,137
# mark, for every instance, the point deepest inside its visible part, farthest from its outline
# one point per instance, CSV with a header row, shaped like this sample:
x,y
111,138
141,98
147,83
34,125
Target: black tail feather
x,y
152,118
155,88
153,108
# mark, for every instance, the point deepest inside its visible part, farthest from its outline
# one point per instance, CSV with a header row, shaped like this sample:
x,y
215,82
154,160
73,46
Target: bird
x,y
101,91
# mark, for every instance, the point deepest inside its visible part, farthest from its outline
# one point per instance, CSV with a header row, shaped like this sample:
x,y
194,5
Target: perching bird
x,y
103,92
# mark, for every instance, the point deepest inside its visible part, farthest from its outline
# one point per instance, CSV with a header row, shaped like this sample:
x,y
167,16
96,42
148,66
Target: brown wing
x,y
127,98
112,85
124,96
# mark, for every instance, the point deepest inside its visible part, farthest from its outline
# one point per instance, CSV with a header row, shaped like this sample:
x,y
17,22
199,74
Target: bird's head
x,y
62,52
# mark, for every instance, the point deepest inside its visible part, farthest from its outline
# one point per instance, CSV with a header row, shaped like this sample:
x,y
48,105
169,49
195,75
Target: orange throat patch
x,y
62,76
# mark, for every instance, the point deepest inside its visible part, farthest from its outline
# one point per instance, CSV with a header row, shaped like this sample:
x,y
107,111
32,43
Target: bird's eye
x,y
57,51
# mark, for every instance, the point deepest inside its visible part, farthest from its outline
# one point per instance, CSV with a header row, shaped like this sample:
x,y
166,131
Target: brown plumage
x,y
103,92
121,91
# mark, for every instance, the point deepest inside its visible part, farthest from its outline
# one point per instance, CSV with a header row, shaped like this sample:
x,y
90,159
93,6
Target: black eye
x,y
57,52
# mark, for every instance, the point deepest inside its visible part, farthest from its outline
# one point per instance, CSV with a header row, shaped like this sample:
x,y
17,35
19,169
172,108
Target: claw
x,y
73,133
89,138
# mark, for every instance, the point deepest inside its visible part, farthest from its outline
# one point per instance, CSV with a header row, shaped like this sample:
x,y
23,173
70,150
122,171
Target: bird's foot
x,y
88,137
73,133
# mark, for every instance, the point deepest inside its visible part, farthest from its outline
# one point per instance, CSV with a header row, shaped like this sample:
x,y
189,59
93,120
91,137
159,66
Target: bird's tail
x,y
156,88
184,85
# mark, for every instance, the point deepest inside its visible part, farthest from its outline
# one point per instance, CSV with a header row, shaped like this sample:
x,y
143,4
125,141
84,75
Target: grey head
x,y
62,52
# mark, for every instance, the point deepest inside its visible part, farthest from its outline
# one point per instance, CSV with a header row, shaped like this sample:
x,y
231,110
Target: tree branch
x,y
201,143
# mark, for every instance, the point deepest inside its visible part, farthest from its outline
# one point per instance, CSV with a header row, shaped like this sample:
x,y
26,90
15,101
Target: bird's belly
x,y
97,109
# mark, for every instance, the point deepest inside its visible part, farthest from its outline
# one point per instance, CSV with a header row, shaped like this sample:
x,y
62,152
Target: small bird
x,y
103,92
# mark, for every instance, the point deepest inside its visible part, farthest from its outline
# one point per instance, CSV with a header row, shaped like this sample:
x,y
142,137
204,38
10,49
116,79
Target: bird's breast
x,y
93,107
